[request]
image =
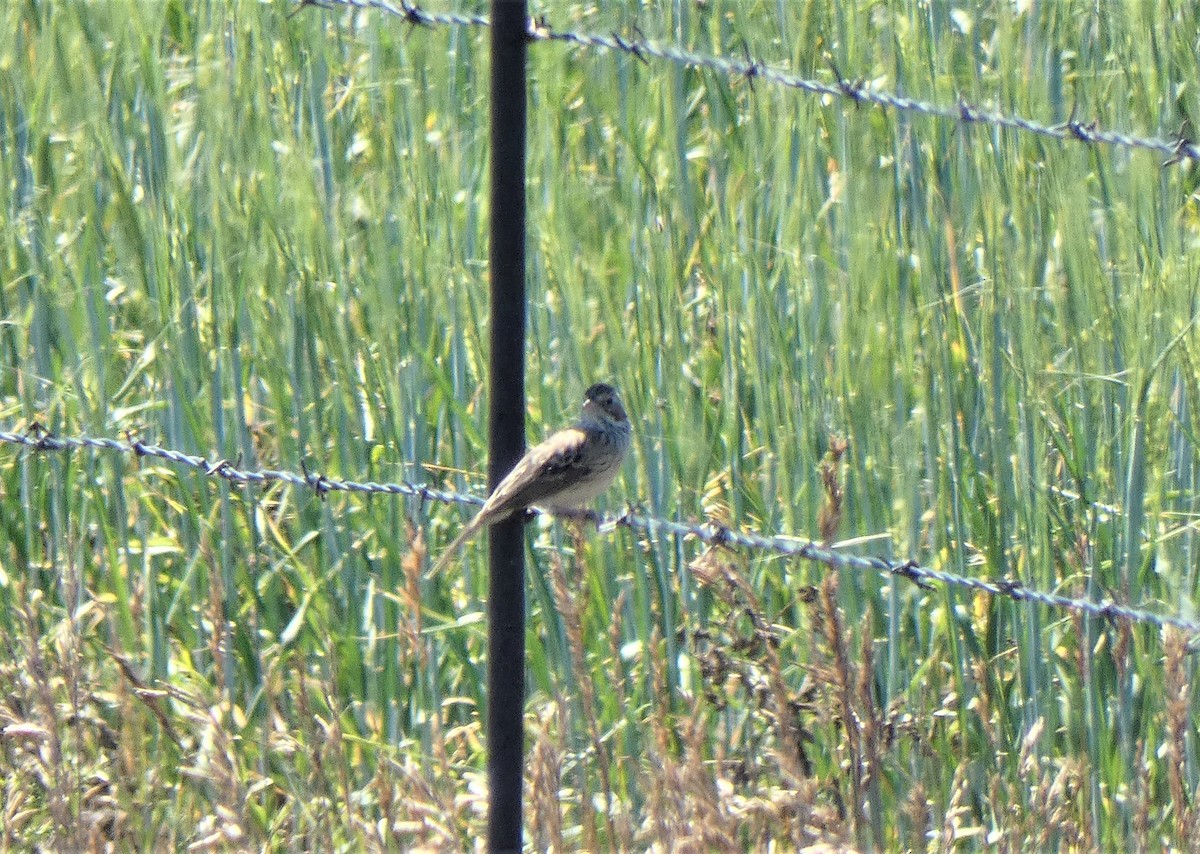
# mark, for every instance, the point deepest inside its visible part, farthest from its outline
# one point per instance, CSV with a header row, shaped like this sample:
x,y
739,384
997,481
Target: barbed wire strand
x,y
1176,150
709,533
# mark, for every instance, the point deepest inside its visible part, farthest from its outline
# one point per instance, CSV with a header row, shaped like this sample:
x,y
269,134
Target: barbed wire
x,y
1182,147
710,533
40,440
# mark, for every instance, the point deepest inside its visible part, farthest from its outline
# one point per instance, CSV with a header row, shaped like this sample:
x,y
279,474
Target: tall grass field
x,y
257,232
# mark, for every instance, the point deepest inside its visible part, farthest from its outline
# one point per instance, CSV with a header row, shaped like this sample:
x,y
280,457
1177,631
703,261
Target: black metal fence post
x,y
506,587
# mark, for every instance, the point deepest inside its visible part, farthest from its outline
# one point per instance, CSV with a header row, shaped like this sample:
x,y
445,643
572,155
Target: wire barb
x,y
911,570
413,15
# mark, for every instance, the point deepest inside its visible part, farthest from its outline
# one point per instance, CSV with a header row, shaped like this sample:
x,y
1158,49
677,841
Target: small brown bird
x,y
564,472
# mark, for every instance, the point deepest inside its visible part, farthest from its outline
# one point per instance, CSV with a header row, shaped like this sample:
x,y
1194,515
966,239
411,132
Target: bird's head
x,y
602,401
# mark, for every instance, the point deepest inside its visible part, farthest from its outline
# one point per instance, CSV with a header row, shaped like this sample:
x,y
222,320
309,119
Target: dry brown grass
x,y
752,758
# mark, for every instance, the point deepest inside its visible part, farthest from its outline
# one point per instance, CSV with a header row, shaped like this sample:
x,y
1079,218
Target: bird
x,y
564,472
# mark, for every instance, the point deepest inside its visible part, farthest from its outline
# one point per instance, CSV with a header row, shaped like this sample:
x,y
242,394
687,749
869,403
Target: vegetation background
x,y
260,236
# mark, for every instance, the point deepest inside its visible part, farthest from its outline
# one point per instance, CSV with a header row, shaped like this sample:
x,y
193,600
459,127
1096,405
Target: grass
x,y
262,238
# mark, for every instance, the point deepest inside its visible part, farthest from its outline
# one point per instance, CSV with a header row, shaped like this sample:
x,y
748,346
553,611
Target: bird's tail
x,y
442,562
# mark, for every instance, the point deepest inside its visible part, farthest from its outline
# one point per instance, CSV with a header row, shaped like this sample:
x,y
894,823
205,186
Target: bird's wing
x,y
547,469
552,466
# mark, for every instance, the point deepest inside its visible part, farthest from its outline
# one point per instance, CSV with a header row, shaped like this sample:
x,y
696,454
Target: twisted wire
x,y
751,69
709,533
